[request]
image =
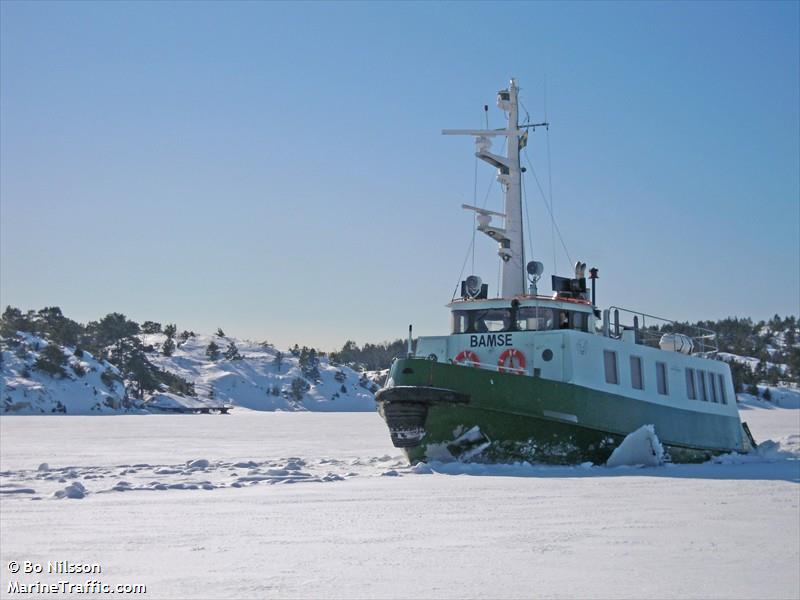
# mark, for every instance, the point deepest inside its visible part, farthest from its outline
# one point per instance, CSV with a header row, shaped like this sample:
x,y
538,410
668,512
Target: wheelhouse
x,y
525,315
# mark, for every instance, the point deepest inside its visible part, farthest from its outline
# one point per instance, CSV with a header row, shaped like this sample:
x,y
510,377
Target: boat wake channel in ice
x,y
200,474
77,482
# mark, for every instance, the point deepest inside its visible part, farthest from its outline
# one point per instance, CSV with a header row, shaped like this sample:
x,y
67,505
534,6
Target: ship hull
x,y
440,411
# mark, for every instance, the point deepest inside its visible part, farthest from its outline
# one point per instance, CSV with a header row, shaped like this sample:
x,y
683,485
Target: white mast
x,y
508,237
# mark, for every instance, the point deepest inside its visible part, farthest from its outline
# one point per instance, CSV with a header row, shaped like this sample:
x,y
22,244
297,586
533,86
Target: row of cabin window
x,y
710,385
525,318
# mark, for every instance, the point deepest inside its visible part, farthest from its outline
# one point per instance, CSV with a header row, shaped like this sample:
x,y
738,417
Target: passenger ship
x,y
553,378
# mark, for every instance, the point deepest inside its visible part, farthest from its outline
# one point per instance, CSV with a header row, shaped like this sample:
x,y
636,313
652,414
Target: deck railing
x,y
648,330
489,366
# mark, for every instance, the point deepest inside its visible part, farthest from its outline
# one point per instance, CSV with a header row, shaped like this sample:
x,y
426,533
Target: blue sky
x,y
278,169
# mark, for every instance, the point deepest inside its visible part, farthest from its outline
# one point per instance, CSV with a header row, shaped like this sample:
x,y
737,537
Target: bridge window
x,y
610,361
722,394
481,321
579,321
661,378
460,321
691,389
528,318
535,318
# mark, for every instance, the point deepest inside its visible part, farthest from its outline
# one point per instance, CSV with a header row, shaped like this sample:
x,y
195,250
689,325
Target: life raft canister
x,y
512,361
465,357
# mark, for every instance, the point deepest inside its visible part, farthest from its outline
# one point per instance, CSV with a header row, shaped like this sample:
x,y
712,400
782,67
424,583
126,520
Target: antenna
x,y
508,237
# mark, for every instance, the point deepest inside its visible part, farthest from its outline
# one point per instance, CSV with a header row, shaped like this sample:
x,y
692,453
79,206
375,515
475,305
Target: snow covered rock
x,y
74,490
83,385
258,377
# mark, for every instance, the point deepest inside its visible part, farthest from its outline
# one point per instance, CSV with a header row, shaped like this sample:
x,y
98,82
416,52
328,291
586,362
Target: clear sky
x,y
278,169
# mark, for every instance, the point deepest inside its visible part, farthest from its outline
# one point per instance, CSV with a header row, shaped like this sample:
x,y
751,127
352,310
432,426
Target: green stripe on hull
x,y
540,420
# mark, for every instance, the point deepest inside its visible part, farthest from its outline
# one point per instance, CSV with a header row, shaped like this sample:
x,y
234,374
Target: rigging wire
x,y
544,199
474,214
499,271
550,182
463,266
527,220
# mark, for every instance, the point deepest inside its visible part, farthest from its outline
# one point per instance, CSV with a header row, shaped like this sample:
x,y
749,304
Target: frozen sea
x,y
263,504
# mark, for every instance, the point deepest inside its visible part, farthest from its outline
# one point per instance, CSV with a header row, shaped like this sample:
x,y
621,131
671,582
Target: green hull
x,y
443,411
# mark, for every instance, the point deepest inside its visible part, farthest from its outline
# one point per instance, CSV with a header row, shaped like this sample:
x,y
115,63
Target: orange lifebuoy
x,y
465,357
511,360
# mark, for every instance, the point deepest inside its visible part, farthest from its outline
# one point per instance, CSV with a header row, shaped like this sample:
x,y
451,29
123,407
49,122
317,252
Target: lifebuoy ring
x,y
465,357
512,361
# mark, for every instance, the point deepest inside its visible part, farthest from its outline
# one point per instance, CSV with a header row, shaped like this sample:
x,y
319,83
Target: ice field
x,y
266,504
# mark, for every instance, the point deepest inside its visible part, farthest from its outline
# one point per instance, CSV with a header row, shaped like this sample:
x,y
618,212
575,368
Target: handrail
x,y
650,335
488,366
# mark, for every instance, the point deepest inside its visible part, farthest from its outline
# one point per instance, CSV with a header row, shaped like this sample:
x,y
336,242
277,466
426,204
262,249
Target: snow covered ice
x,y
278,504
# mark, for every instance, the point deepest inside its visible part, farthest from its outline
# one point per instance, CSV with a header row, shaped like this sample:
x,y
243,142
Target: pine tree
x,y
212,351
50,322
13,321
309,363
109,330
151,327
278,360
299,387
220,333
170,330
169,347
51,360
232,352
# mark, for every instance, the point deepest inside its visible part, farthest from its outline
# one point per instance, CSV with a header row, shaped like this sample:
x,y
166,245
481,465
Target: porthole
x,y
547,355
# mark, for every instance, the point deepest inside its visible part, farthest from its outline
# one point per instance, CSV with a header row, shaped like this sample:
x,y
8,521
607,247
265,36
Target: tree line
x,y
112,339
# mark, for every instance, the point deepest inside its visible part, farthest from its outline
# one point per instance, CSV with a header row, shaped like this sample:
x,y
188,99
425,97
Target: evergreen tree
x,y
309,363
767,395
151,327
109,330
170,330
220,333
278,360
52,360
299,387
169,347
212,351
128,355
232,352
51,323
13,321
